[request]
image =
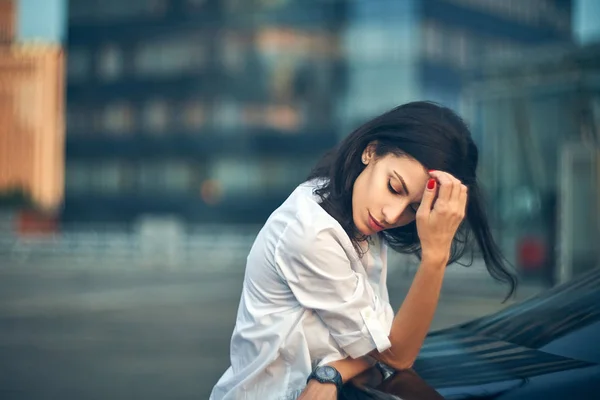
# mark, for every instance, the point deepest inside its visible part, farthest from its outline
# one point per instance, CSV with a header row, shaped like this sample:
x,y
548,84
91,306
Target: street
x,y
118,332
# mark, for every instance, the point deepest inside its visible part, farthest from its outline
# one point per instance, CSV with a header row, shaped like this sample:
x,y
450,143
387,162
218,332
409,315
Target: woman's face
x,y
387,192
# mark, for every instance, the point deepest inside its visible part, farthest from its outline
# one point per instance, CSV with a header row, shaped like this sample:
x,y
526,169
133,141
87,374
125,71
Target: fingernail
x,y
431,184
431,170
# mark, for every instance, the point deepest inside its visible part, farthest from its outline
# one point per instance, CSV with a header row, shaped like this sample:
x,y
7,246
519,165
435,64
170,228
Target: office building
x,y
538,118
400,51
210,110
214,110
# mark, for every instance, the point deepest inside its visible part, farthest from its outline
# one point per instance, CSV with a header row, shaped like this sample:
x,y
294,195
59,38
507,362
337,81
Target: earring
x,y
364,160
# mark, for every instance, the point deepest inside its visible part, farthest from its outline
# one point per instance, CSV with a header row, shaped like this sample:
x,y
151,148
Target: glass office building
x,y
213,110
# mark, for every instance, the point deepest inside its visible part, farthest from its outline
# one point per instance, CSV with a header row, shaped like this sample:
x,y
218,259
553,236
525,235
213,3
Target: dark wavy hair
x,y
439,139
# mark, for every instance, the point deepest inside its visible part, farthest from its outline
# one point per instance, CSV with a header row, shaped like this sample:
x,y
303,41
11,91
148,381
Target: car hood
x,y
547,335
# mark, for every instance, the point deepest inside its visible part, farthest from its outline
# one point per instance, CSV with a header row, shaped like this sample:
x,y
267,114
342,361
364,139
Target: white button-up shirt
x,y
308,299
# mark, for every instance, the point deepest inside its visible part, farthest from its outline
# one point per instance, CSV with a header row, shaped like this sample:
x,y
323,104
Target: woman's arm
x,y
409,329
413,319
438,219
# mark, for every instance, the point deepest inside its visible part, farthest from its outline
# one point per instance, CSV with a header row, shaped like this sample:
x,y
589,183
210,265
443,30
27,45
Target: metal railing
x,y
198,247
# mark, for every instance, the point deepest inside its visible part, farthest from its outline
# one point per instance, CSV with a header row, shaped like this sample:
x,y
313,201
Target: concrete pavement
x,y
90,332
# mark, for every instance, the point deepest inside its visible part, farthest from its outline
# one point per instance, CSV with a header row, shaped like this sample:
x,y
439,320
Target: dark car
x,y
543,348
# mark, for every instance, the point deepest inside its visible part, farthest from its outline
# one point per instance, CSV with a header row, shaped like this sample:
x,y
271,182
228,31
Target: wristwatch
x,y
327,374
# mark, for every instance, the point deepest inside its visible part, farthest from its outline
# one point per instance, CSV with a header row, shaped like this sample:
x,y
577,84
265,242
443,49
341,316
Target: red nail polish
x,y
431,184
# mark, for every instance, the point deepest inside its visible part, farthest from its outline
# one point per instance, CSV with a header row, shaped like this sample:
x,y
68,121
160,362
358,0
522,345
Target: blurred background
x,y
144,142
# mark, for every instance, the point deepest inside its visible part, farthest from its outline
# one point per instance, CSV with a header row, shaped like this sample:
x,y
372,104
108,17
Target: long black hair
x,y
437,138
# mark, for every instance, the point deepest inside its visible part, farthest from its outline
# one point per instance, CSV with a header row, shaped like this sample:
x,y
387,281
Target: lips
x,y
374,224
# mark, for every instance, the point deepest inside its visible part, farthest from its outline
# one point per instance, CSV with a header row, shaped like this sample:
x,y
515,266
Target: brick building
x,y
32,113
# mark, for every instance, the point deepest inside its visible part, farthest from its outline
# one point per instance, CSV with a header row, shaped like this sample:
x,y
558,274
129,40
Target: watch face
x,y
326,372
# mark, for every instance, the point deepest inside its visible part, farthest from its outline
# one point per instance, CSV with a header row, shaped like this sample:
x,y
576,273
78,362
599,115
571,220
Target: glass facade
x,y
527,115
204,102
381,41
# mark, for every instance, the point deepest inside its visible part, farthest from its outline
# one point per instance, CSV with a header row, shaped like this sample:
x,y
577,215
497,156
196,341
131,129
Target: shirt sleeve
x,y
319,273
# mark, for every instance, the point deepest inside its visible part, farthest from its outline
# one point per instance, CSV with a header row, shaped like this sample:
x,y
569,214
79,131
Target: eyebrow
x,y
403,183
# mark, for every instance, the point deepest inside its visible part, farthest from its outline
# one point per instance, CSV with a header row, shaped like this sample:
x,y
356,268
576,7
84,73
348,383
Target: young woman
x,y
314,311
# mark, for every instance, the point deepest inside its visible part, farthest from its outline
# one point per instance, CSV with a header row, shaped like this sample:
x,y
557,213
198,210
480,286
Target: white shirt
x,y
307,299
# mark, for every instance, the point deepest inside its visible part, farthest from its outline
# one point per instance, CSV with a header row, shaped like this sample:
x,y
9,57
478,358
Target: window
x,y
117,118
274,42
169,57
233,53
462,56
194,115
110,62
255,175
278,173
375,43
150,178
107,177
447,44
155,116
456,47
178,177
275,116
77,178
252,115
227,114
380,87
433,40
236,176
166,176
282,117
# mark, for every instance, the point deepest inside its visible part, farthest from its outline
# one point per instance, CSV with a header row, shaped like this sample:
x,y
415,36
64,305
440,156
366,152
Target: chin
x,y
366,231
362,229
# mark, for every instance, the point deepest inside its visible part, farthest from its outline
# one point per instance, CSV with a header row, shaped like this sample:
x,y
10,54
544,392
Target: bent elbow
x,y
396,360
400,365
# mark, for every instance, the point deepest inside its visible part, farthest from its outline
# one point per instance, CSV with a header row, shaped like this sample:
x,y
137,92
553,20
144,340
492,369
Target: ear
x,y
369,153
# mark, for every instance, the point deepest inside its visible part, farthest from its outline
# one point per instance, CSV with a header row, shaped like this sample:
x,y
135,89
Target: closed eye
x,y
391,188
412,207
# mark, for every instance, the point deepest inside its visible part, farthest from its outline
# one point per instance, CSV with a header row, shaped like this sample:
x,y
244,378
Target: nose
x,y
393,212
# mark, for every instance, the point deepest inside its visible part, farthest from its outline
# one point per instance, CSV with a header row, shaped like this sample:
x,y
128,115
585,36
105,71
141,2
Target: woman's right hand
x,y
439,217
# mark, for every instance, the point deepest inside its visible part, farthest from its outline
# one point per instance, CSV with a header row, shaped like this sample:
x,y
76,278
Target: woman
x,y
314,310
